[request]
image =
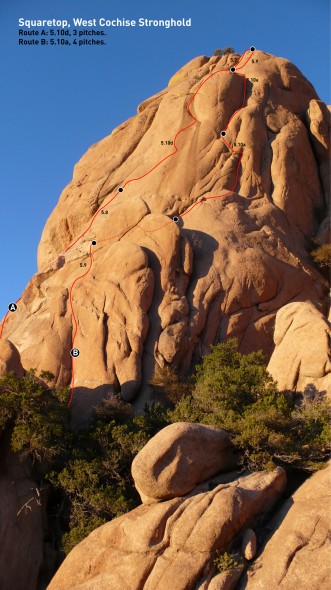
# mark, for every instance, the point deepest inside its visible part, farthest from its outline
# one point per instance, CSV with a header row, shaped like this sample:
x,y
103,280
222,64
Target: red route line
x,y
151,170
5,318
76,323
175,139
176,150
70,295
140,178
3,323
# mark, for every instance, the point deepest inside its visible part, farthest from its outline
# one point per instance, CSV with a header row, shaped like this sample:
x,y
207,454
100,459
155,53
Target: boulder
x,y
298,552
179,457
171,544
249,544
301,359
10,358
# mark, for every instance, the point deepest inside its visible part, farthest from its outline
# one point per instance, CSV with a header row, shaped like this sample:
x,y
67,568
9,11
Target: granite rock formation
x,y
163,292
154,291
297,555
10,358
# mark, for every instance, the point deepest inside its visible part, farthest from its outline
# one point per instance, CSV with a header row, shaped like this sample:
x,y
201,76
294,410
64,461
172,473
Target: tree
x,y
96,476
166,382
90,469
37,416
235,392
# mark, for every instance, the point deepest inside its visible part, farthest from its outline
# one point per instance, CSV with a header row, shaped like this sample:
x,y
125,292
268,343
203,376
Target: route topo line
x,y
234,70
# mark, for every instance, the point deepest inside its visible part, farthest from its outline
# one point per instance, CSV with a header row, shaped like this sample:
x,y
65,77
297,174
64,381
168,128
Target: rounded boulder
x,y
10,359
179,457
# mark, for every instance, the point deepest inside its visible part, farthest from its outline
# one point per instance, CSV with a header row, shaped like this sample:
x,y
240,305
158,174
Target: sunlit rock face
x,y
158,291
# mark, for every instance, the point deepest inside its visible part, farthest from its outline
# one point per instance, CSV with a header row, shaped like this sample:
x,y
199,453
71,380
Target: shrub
x,y
230,381
225,51
91,469
166,382
235,392
226,562
322,258
37,415
97,478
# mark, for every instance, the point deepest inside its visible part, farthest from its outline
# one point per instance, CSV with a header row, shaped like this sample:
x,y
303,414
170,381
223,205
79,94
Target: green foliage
x,y
225,51
97,477
226,562
91,468
322,258
37,415
166,382
230,381
235,392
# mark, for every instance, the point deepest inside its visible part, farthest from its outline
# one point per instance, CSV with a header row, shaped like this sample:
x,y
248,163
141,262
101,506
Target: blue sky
x,y
57,101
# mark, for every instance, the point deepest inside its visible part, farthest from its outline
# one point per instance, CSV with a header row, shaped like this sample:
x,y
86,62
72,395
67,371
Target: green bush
x,y
235,392
227,562
91,468
97,477
225,51
37,415
322,256
166,382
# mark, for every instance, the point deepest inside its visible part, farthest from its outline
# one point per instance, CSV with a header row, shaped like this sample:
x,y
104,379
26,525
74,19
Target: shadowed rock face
x,y
298,552
21,522
295,364
162,292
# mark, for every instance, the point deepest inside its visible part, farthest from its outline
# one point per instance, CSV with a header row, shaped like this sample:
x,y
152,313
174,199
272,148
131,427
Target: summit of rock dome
x,y
159,291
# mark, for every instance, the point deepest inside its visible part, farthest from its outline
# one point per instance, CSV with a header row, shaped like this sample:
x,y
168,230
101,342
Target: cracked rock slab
x,y
298,552
170,544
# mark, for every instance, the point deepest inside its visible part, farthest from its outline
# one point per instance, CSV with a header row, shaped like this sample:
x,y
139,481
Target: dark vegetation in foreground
x,y
321,255
87,473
